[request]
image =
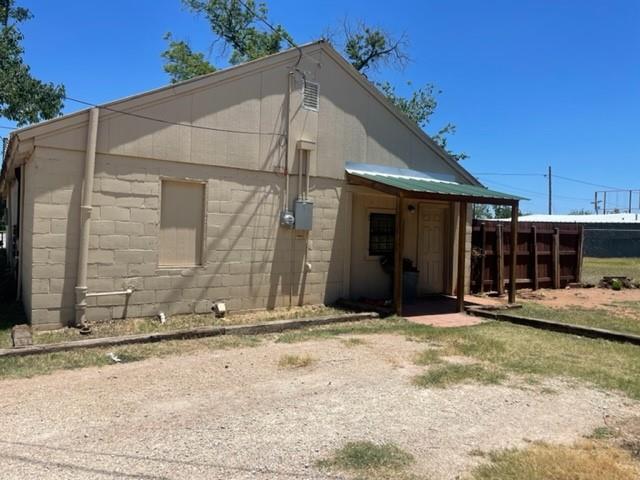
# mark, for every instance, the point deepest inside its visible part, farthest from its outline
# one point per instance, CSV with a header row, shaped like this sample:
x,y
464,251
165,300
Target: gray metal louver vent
x,y
311,96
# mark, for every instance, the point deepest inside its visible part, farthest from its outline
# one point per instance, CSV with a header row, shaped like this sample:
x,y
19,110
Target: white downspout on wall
x,y
85,218
20,231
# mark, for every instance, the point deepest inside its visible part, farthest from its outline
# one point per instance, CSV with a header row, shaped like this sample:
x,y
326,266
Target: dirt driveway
x,y
567,297
236,414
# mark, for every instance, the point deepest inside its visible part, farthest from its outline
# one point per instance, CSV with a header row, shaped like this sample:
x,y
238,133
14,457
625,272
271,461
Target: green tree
x,y
482,211
504,211
23,98
182,63
581,211
239,24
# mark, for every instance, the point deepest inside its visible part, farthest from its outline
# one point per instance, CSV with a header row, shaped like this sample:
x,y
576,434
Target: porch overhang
x,y
425,188
403,183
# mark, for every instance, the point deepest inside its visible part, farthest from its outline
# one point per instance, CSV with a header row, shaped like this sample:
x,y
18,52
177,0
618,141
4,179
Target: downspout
x,y
287,156
20,210
287,126
85,218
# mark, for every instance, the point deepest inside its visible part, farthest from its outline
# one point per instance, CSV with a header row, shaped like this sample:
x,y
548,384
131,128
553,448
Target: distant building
x,y
583,219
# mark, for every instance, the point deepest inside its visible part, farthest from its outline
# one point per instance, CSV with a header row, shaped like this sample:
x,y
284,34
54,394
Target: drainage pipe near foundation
x,y
85,217
127,292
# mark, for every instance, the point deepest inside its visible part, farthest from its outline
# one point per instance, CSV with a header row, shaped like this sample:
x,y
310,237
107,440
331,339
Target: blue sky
x,y
528,83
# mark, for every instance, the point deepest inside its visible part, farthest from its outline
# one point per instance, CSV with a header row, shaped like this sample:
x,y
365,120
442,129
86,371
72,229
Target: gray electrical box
x,y
303,212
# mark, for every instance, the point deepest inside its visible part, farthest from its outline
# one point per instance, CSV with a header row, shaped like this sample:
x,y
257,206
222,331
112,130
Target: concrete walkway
x,y
439,312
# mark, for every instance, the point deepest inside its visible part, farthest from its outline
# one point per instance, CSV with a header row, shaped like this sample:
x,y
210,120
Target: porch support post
x,y
462,243
514,253
398,255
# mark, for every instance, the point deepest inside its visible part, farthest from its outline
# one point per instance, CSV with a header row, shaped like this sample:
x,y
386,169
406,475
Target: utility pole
x,y
549,178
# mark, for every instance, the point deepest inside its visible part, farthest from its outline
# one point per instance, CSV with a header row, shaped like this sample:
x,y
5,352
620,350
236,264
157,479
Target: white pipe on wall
x,y
307,171
128,291
20,230
300,157
85,217
287,101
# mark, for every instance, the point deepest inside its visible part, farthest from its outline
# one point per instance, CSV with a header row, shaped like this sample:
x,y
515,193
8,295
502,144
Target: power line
x,y
540,194
585,183
546,175
284,34
513,174
532,192
7,127
168,122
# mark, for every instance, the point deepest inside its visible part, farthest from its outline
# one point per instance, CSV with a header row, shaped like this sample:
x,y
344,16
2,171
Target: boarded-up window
x,y
181,223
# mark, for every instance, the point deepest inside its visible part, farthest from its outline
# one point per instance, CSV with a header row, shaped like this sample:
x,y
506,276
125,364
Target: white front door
x,y
431,249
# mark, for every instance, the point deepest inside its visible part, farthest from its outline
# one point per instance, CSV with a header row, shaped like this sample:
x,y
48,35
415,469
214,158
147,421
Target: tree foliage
x,y
482,211
182,63
23,98
367,48
240,25
581,211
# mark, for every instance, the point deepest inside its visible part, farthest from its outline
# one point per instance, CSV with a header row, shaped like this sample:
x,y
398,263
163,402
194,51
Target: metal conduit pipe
x,y
85,218
300,157
307,171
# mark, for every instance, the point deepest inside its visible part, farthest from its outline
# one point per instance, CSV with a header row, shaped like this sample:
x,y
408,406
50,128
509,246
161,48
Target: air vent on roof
x,y
311,95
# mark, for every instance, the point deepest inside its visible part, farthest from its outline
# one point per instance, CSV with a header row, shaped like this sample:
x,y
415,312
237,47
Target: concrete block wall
x,y
249,261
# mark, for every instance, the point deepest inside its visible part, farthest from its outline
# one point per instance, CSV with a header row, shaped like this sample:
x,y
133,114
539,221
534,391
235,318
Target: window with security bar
x,y
382,232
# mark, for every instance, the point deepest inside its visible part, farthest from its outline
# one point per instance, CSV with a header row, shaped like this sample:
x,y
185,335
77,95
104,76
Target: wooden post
x,y
483,247
397,261
462,241
534,254
514,252
579,254
555,255
500,258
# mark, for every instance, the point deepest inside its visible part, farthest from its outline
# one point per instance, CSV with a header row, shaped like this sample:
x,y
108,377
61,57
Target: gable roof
x,y
143,99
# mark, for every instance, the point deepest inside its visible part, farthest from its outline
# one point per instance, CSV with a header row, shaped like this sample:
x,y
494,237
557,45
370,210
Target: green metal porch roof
x,y
432,187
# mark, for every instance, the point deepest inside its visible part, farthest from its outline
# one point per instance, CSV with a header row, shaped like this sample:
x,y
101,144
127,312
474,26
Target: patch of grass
x,y
476,452
451,374
514,349
131,326
31,365
593,269
602,433
630,307
295,361
428,357
369,459
365,327
353,342
591,317
583,461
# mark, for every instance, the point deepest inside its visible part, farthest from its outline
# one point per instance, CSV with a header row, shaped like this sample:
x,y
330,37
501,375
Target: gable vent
x,y
311,96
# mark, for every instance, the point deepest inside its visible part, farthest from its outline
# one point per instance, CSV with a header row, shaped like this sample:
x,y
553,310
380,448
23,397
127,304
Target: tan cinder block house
x,y
274,183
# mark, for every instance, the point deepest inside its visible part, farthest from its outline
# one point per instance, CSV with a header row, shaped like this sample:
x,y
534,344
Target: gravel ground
x,y
236,415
